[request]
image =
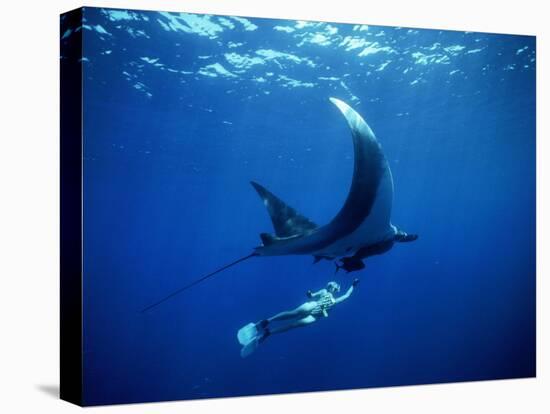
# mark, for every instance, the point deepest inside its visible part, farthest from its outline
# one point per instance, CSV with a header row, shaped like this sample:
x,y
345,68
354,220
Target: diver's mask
x,y
333,287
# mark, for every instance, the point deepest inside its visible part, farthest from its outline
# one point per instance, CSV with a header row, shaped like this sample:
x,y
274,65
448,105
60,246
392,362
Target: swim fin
x,y
250,347
247,333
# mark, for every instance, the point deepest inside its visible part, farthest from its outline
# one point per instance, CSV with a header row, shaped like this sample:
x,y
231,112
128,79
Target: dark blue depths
x,y
182,111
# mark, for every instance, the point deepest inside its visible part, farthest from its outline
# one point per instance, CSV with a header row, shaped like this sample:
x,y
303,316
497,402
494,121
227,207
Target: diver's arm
x,y
315,295
344,296
348,293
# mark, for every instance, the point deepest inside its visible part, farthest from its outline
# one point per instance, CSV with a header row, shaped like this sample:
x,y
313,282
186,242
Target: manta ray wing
x,y
287,222
370,167
364,218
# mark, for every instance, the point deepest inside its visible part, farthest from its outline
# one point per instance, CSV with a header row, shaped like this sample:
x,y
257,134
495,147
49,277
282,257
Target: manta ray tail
x,y
197,281
286,221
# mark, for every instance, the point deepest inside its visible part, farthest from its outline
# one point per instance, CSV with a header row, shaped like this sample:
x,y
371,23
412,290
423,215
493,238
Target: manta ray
x,y
362,228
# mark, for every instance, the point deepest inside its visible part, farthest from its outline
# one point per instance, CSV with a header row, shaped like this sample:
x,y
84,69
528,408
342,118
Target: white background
x,y
29,207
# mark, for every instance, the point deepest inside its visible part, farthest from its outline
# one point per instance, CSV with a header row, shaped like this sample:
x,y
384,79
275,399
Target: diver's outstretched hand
x,y
355,282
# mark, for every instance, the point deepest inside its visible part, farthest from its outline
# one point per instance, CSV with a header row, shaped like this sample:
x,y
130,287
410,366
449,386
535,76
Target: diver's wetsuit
x,y
323,304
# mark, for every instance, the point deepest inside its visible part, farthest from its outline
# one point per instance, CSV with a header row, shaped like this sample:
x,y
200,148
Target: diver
x,y
253,334
355,262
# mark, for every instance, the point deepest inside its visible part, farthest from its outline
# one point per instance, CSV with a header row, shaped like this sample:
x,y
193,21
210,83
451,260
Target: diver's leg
x,y
251,346
294,324
300,312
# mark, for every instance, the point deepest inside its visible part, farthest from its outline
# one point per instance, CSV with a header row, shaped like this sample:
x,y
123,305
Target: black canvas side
x,y
71,207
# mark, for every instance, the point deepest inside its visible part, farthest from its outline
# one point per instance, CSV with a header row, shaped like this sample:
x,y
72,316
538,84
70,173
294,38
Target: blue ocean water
x,y
182,111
